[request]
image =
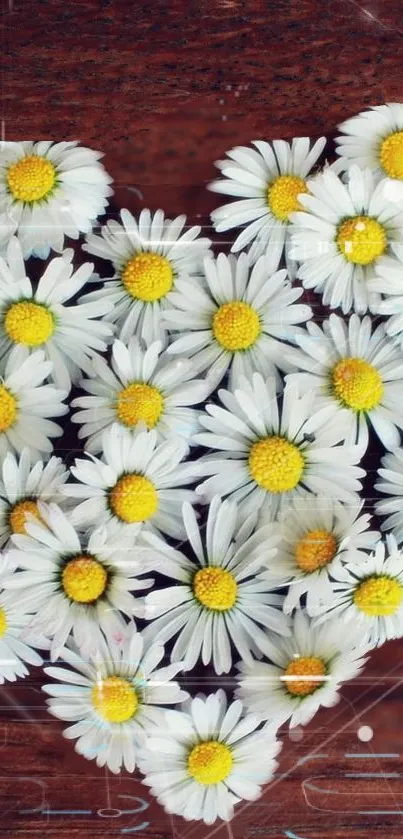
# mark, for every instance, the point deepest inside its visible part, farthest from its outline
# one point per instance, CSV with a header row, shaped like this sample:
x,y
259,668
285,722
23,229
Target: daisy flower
x,y
207,758
305,673
78,584
317,536
148,257
23,485
387,282
391,484
49,191
112,699
265,458
139,385
374,139
16,652
268,181
136,482
36,318
219,596
342,235
26,403
238,320
350,368
369,595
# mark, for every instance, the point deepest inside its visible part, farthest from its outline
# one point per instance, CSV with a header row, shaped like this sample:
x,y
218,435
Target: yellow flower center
x,y
282,195
391,155
304,675
31,179
236,326
361,239
3,622
8,408
133,498
115,699
29,323
215,588
17,517
84,579
210,762
378,596
276,464
147,276
139,402
357,384
316,549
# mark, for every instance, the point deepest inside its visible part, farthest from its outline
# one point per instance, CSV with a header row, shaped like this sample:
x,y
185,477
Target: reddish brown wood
x,y
317,791
164,89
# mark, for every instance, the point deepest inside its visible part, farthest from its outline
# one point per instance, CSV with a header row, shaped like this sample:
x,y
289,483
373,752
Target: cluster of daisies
x,y
216,516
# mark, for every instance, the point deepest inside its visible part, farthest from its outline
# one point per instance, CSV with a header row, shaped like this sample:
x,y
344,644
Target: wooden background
x,y
164,88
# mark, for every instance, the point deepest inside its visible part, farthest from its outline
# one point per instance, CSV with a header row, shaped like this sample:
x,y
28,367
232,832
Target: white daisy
x,y
136,482
317,535
207,758
23,485
341,237
239,320
220,596
388,283
350,368
369,595
374,139
268,180
32,318
265,458
15,650
391,484
305,673
78,584
26,403
148,257
112,699
49,191
139,385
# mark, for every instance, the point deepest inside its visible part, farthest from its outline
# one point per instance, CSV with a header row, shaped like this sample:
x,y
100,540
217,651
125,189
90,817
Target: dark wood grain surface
x,y
164,89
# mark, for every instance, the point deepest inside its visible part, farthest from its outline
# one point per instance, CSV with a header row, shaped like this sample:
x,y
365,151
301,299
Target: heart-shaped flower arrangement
x,y
214,520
